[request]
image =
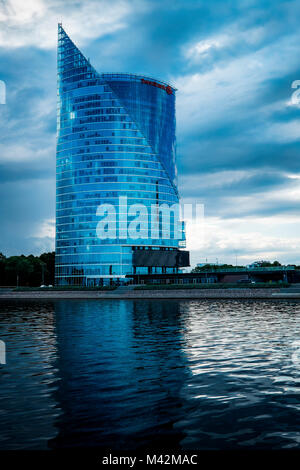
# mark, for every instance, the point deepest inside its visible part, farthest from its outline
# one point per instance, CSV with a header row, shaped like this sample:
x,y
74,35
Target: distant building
x,y
256,264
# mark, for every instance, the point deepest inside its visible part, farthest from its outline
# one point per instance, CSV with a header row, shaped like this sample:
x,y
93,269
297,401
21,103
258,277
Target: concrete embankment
x,y
124,293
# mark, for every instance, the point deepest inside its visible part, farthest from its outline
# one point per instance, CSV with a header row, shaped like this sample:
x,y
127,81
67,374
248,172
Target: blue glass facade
x,y
115,138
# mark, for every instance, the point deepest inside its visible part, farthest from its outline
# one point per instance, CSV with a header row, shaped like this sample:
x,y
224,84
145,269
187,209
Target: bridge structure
x,y
217,274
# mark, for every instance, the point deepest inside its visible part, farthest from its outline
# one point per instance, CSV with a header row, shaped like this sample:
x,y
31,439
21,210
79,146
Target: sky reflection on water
x,y
146,374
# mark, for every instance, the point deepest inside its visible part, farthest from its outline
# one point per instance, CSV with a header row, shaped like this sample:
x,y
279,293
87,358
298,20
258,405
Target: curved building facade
x,y
115,150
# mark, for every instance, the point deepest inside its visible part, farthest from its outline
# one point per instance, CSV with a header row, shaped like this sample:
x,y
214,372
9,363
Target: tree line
x,y
216,267
31,271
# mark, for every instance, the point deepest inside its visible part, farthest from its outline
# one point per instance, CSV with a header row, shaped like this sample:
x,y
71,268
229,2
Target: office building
x,y
115,149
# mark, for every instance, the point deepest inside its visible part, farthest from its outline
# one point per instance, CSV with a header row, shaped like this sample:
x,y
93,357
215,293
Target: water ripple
x,y
133,374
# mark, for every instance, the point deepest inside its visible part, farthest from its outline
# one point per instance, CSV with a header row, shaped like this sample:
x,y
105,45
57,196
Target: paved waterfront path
x,y
128,292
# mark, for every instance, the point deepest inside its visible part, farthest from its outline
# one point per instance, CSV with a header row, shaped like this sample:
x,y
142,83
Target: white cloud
x,y
34,22
248,238
282,132
203,47
233,34
229,232
19,152
46,229
229,88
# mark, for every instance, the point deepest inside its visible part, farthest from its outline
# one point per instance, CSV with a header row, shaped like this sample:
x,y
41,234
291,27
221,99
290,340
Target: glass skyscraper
x,y
115,148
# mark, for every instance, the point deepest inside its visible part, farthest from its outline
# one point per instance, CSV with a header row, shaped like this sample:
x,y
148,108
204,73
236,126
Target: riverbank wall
x,y
121,293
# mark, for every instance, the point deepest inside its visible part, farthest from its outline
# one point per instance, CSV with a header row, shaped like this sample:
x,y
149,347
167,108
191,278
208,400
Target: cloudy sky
x,y
238,122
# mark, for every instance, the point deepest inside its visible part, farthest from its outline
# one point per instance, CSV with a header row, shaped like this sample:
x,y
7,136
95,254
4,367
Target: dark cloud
x,y
248,55
218,185
23,171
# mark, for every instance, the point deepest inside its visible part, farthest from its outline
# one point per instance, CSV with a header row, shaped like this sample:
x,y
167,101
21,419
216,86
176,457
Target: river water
x,y
146,374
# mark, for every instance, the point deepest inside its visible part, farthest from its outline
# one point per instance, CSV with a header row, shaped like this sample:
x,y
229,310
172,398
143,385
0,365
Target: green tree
x,y
213,267
27,270
49,260
17,270
2,269
276,263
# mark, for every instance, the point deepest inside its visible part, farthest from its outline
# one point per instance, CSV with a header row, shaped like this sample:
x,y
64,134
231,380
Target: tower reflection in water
x,y
121,373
